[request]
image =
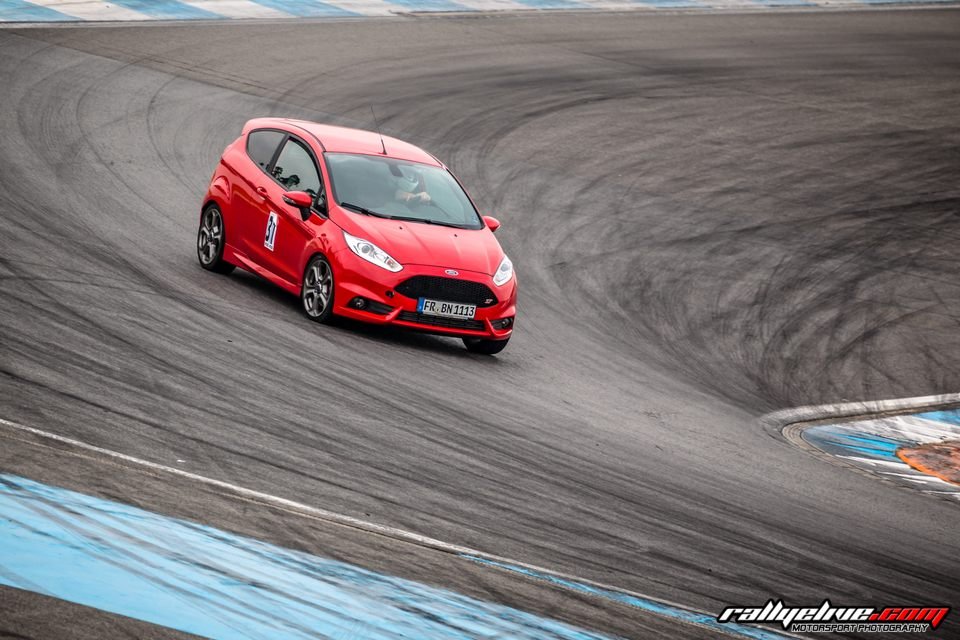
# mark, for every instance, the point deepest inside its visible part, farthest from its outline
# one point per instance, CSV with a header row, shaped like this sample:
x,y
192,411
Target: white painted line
x,y
929,430
369,7
100,10
917,477
614,5
876,463
731,4
237,9
369,527
495,5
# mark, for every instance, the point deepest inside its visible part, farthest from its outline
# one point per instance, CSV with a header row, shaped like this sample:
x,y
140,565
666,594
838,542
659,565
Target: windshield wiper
x,y
364,210
429,221
370,212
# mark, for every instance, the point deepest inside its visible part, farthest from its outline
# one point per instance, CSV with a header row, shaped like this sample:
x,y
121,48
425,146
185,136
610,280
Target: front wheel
x,y
486,347
316,292
211,239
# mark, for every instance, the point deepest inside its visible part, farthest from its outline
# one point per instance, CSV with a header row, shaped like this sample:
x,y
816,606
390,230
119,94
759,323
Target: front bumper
x,y
356,278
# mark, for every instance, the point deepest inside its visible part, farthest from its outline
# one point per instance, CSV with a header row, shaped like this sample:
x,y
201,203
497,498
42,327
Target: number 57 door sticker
x,y
271,235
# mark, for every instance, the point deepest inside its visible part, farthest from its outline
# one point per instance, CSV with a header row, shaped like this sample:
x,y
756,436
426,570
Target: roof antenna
x,y
383,146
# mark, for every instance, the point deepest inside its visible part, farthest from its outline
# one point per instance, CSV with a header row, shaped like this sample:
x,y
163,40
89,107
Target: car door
x,y
253,177
284,232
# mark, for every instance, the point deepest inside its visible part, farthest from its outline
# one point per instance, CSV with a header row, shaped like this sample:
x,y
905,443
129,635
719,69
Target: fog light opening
x,y
369,306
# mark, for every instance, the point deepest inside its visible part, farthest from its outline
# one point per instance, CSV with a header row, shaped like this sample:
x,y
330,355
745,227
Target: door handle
x,y
262,192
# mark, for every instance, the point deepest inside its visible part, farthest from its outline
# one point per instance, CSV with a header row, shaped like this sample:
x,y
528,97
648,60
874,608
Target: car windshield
x,y
400,190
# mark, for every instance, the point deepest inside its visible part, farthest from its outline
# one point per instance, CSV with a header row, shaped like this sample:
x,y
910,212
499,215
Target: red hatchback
x,y
358,225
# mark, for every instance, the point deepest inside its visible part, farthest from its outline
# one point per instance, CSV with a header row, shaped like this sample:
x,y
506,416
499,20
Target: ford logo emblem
x,y
452,272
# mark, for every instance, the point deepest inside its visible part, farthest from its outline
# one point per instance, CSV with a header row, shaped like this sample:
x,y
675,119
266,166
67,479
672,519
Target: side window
x,y
295,169
261,146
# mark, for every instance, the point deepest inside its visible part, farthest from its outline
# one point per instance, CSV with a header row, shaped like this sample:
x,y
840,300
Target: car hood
x,y
426,244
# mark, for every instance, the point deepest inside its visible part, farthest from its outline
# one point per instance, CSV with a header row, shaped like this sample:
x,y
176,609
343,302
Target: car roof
x,y
346,140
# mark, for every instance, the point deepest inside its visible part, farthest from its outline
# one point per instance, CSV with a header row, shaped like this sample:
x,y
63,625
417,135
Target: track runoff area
x,y
150,555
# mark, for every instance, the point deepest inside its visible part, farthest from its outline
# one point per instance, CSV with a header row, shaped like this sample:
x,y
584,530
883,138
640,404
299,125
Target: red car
x,y
358,225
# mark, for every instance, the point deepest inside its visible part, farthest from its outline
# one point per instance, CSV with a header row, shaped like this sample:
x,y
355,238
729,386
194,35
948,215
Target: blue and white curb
x,y
871,445
220,585
65,510
201,580
145,10
866,435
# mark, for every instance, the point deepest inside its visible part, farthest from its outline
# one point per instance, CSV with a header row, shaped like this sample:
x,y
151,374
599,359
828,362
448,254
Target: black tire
x,y
211,240
316,290
486,347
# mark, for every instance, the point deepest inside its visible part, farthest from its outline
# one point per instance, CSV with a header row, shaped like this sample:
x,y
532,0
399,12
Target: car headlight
x,y
371,253
504,272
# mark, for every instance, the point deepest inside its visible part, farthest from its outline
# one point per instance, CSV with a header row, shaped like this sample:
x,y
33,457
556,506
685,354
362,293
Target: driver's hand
x,y
424,196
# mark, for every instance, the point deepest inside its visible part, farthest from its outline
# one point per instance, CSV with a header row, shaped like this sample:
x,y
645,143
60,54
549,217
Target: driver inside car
x,y
410,187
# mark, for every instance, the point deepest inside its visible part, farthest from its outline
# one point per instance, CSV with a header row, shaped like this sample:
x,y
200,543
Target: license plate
x,y
446,309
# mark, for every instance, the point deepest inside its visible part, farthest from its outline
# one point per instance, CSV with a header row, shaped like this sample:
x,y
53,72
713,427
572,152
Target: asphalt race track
x,y
712,217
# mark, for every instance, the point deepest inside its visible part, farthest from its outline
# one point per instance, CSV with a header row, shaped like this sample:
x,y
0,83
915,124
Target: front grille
x,y
450,323
448,289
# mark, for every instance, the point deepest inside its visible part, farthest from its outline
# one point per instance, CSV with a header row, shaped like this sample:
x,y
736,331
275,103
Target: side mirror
x,y
301,200
320,203
492,223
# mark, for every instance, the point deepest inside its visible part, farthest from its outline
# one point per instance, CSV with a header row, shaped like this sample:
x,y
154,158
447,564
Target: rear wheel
x,y
316,292
211,239
486,347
